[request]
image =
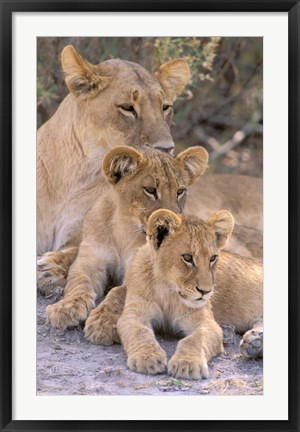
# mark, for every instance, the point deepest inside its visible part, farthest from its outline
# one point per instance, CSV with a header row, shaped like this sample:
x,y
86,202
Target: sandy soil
x,y
67,364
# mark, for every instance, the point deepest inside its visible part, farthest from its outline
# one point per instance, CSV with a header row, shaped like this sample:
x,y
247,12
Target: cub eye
x,y
166,107
181,192
150,191
128,109
213,259
188,259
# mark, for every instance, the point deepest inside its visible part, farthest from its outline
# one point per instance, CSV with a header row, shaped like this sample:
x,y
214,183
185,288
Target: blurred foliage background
x,y
221,108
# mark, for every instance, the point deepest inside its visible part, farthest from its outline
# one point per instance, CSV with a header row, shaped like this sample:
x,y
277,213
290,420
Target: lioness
x,y
140,182
184,254
241,195
113,103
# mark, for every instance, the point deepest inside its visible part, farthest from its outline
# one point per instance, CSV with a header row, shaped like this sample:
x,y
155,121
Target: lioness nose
x,y
167,147
203,292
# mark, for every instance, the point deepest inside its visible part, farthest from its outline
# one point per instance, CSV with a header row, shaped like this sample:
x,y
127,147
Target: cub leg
x,y
195,350
251,345
101,325
143,351
52,270
87,278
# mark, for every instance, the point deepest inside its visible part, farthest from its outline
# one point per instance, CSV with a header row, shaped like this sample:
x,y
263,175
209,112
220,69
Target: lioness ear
x,y
174,76
161,223
193,161
121,161
81,76
222,222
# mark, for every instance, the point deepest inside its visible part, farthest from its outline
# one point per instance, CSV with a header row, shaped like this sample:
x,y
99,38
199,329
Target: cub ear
x,y
81,76
193,161
222,222
161,223
121,161
174,76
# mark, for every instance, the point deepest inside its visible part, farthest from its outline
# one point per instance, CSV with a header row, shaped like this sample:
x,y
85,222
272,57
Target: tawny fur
x,y
93,118
237,299
140,182
241,195
169,284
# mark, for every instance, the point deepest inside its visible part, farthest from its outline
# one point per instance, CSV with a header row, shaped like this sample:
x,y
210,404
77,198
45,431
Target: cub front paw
x,y
51,276
101,327
66,313
148,362
188,368
251,346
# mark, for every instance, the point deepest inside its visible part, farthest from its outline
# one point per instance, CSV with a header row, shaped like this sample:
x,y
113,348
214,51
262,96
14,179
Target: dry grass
x,y
233,385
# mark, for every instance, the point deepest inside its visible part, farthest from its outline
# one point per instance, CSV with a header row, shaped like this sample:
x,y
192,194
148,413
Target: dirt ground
x,y
67,364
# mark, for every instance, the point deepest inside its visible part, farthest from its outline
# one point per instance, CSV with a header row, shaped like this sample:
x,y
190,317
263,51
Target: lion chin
x,y
193,303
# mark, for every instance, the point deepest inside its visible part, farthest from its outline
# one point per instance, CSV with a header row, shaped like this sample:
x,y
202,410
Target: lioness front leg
x,y
52,270
87,279
143,351
194,351
101,325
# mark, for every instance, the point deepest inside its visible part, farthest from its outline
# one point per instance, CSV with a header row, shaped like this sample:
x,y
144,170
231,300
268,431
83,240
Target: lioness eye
x,y
150,191
166,107
213,259
188,259
128,108
181,192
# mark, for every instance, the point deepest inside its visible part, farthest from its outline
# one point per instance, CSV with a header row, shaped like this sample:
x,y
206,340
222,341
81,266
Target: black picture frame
x,y
7,9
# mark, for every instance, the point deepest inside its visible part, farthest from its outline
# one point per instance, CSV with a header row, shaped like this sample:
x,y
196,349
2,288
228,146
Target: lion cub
x,y
169,284
141,182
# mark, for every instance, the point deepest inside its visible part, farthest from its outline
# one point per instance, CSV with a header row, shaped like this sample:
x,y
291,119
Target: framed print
x,y
138,141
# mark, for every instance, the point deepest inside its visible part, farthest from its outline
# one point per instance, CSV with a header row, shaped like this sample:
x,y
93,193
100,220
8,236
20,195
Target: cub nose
x,y
201,291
